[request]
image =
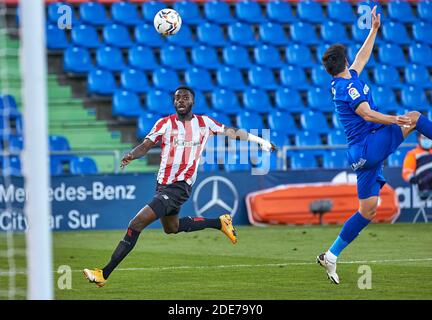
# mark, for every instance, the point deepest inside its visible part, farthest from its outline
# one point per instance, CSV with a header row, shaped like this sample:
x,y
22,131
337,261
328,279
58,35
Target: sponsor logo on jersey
x,y
359,164
353,93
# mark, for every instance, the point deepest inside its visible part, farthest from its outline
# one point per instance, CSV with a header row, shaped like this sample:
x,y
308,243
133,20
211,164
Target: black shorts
x,y
169,198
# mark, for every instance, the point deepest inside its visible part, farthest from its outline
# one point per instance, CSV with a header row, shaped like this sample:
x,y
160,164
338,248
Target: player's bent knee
x,y
368,213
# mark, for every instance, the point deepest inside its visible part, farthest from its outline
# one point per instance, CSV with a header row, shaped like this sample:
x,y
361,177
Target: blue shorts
x,y
367,158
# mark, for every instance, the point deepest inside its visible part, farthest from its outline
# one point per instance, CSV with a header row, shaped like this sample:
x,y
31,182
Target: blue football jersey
x,y
347,96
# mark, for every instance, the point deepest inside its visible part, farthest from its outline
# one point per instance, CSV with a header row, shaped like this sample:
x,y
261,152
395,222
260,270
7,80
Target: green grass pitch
x,y
267,263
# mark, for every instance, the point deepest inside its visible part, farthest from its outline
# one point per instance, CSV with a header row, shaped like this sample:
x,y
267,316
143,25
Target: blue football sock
x,y
349,232
424,126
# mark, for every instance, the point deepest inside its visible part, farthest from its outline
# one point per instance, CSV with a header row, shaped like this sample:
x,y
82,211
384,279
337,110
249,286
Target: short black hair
x,y
186,88
334,59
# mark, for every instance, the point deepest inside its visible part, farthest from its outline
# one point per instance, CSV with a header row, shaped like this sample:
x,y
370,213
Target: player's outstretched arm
x,y
364,111
241,134
365,51
138,152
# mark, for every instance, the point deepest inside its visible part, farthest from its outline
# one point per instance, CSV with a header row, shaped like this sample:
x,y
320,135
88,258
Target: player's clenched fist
x,y
403,121
127,158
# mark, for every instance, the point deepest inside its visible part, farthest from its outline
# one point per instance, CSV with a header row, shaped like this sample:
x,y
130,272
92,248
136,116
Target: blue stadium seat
x,y
218,12
230,78
304,33
320,77
200,105
146,34
421,53
58,143
125,13
8,102
10,166
352,52
142,58
56,168
267,56
56,38
199,79
134,80
336,122
85,36
235,162
360,35
16,143
189,12
417,75
249,120
83,165
256,100
385,75
320,50
385,99
242,34
126,104
280,11
303,160
183,38
282,122
334,32
310,11
424,10
93,13
299,55
289,99
401,11
174,57
279,139
396,159
421,32
265,161
117,35
225,101
160,102
165,79
110,58
314,121
54,14
391,54
320,99
77,60
146,121
205,57
220,117
249,11
101,82
341,11
149,10
395,32
262,77
294,77
211,34
307,138
335,159
273,33
414,98
236,56
336,137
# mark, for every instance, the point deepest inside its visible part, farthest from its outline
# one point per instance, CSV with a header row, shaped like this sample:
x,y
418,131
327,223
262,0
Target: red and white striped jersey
x,y
182,144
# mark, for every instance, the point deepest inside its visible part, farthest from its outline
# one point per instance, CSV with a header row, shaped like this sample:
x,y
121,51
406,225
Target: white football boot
x,y
329,266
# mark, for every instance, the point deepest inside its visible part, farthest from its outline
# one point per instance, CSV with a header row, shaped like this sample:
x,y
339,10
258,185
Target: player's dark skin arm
x,y
138,152
241,134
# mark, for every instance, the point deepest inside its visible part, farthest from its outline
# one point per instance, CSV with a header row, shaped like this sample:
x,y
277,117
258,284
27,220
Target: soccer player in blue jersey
x,y
372,136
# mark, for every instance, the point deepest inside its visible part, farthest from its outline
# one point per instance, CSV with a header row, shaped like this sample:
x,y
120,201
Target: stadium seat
x,y
101,82
159,102
401,11
142,58
310,11
341,11
56,168
85,36
256,100
294,77
267,56
236,56
320,50
146,121
262,77
303,160
93,13
320,77
359,35
149,10
414,98
320,99
249,120
125,13
230,78
299,55
385,99
304,33
199,79
165,79
421,53
83,165
126,104
10,166
396,33
279,139
200,104
56,38
334,32
146,34
189,12
273,33
218,12
110,58
16,143
183,38
235,162
280,11
396,159
205,57
225,101
7,102
211,34
134,80
336,137
417,75
307,138
335,159
385,75
289,99
77,60
117,35
174,57
249,11
54,14
336,122
352,52
242,34
58,143
424,10
220,117
391,54
314,121
422,32
282,121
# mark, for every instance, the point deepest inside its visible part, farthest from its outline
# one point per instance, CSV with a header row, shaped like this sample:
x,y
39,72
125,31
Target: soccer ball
x,y
167,22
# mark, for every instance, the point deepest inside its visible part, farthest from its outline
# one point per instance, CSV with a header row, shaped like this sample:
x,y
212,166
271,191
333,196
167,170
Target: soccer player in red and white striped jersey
x,y
182,138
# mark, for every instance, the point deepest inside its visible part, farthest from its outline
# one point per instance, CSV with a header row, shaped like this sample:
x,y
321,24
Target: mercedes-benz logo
x,y
215,198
